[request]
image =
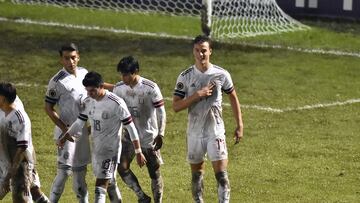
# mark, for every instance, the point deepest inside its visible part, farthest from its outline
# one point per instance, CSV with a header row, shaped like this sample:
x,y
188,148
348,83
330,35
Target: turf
x,y
298,156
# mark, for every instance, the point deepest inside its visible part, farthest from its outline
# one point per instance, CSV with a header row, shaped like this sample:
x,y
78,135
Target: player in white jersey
x,y
16,135
37,195
107,113
146,105
199,89
65,89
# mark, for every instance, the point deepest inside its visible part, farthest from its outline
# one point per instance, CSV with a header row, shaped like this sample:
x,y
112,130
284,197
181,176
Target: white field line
x,y
165,35
256,107
307,107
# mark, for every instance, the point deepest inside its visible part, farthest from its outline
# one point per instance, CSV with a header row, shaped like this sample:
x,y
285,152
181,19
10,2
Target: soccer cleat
x,y
145,199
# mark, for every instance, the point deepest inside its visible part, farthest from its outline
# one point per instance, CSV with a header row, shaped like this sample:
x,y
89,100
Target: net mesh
x,y
230,18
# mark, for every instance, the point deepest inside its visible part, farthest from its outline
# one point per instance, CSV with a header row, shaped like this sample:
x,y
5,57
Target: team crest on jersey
x,y
52,92
180,85
105,115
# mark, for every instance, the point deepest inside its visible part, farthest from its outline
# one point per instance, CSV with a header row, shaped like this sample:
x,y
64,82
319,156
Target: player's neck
x,y
7,108
203,67
101,95
135,81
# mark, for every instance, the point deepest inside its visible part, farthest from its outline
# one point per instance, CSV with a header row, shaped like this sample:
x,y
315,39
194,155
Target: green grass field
x,y
294,156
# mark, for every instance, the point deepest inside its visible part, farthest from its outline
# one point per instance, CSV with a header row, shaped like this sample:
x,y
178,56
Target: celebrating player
x,y
107,112
199,89
65,89
145,103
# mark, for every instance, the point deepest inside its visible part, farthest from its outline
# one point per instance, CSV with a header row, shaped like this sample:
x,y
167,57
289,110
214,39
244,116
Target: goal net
x,y
222,19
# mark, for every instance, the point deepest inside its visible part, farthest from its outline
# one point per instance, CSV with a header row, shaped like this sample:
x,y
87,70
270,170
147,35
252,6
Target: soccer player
x,y
199,89
146,105
106,113
16,133
65,89
37,195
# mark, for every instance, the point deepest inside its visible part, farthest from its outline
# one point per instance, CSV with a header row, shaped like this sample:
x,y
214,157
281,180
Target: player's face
x,y
94,92
128,78
202,52
69,60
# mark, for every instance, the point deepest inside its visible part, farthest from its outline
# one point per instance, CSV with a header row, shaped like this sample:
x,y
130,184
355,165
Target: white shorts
x,y
214,147
104,167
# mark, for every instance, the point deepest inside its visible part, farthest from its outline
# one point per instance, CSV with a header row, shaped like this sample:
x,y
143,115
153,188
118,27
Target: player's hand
x,y
158,142
238,134
206,91
63,138
140,159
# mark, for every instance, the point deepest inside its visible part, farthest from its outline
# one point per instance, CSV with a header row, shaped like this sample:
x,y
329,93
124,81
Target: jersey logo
x,y
105,115
52,92
179,86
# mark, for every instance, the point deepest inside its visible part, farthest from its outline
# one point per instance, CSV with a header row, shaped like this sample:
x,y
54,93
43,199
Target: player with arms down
x,y
65,89
16,136
146,105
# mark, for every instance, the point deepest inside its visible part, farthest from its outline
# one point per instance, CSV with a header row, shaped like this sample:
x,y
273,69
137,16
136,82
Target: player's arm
x,y
109,86
53,115
235,105
18,158
134,136
161,121
73,129
180,102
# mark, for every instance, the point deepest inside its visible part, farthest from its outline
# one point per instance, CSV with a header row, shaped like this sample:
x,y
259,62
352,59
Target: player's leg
x,y
126,174
218,155
79,184
100,190
195,156
104,169
114,191
153,164
37,195
57,188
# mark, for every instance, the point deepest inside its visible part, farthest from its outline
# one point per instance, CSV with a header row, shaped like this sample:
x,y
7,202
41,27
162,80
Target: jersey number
x,y
97,125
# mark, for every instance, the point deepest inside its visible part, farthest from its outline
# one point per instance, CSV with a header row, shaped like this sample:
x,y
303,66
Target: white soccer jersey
x,y
142,101
66,90
18,127
205,116
106,118
4,159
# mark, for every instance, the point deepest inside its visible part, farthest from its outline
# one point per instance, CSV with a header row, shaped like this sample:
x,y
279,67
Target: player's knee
x,y
154,173
223,179
123,172
79,184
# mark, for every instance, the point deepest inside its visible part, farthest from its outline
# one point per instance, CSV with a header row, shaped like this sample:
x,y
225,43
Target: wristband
x,y
138,151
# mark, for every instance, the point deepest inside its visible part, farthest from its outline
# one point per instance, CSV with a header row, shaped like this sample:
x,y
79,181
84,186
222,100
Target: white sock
x,y
100,194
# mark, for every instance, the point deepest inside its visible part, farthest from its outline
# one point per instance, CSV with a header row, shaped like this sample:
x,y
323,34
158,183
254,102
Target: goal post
x,y
220,19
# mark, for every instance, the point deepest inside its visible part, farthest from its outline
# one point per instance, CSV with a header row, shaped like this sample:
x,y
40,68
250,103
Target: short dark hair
x,y
8,90
68,47
92,79
128,64
201,39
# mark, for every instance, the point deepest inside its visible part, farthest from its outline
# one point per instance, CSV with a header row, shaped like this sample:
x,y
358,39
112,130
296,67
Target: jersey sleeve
x,y
228,85
53,92
20,131
157,98
124,113
180,88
